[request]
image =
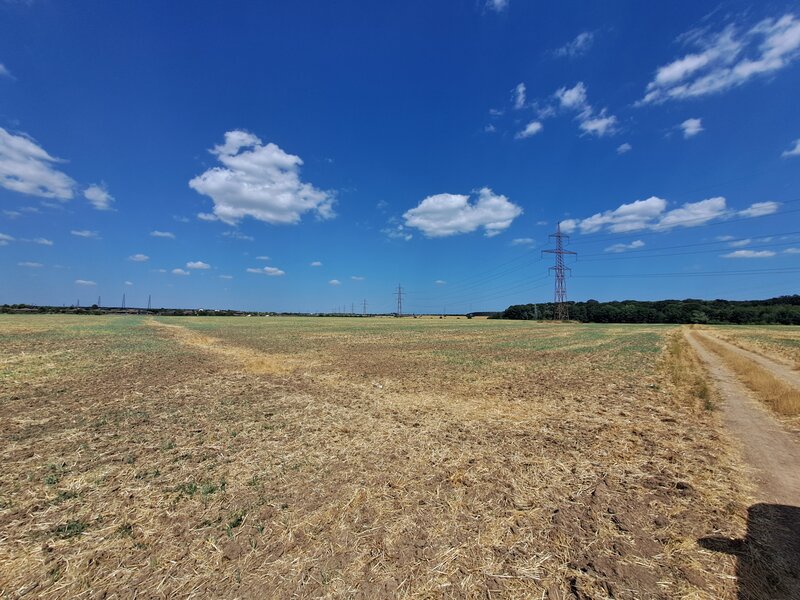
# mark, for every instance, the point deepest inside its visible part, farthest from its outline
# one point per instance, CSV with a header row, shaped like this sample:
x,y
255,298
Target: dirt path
x,y
778,369
771,451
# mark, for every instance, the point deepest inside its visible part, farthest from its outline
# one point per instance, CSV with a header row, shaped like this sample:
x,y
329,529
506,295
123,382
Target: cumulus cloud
x,y
749,254
316,263
262,257
41,241
522,242
740,243
5,239
396,231
271,271
162,234
238,235
726,59
139,258
519,96
450,214
84,282
652,214
99,197
691,127
577,47
197,264
440,282
85,233
623,148
497,5
180,272
623,247
207,217
792,151
27,168
530,130
759,209
335,282
357,278
259,181
30,265
591,121
792,251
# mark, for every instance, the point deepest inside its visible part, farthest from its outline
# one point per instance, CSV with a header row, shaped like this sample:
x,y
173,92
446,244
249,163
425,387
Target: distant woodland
x,y
784,310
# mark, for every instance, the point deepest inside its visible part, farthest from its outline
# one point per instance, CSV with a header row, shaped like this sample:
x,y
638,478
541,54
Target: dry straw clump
x,y
388,458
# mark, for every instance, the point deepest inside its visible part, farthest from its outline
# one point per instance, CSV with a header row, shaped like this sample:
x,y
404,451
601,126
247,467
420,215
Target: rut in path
x,y
768,557
778,369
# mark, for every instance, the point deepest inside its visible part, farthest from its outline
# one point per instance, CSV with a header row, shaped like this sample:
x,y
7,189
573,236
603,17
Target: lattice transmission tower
x,y
561,309
399,293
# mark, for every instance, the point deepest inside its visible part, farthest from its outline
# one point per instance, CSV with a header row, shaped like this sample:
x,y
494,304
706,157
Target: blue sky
x,y
311,155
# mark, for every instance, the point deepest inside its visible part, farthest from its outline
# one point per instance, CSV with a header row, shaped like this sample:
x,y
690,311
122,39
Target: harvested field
x,y
779,343
304,458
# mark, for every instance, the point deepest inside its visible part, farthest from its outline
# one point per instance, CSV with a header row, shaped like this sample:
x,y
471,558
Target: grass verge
x,y
778,395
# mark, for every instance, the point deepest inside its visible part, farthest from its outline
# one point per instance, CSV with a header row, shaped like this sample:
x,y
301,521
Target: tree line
x,y
783,310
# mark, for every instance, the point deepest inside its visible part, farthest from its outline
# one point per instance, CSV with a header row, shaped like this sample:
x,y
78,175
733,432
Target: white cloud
x,y
740,243
724,238
271,271
623,247
139,258
5,239
573,98
792,151
197,264
530,130
397,232
30,265
85,233
792,251
623,148
262,257
207,217
316,263
180,272
226,276
99,197
652,214
592,122
691,127
497,5
519,96
450,214
490,128
727,59
440,282
238,235
84,282
41,241
4,72
749,254
522,242
759,209
128,283
357,278
162,234
259,181
27,168
12,214
335,282
600,125
577,47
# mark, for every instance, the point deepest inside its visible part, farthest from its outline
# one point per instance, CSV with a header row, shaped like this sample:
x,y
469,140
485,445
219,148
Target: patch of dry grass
x,y
387,458
775,393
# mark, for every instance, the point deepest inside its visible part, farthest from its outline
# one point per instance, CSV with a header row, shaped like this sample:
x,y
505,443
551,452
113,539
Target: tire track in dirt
x,y
778,369
771,451
251,361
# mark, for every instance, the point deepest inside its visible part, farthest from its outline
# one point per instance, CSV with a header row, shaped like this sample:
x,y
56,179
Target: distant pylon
x,y
562,311
399,293
148,301
123,300
365,307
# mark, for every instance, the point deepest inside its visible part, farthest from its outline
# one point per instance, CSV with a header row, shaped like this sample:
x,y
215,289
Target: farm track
x,y
771,451
778,369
